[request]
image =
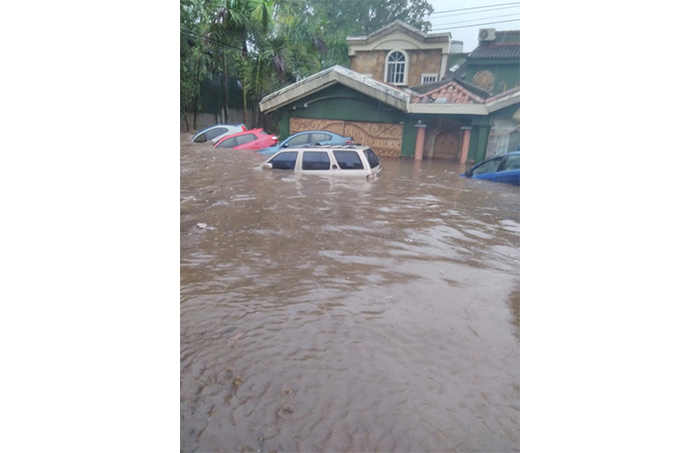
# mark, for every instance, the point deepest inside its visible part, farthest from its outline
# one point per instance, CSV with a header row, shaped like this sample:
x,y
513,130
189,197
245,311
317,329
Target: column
x,y
420,141
466,137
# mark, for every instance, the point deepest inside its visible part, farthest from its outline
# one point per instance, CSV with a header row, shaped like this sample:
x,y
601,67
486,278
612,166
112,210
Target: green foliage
x,y
267,44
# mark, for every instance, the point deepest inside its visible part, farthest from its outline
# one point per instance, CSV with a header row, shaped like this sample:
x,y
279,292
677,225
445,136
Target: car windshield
x,y
513,163
228,143
245,138
298,140
489,166
212,134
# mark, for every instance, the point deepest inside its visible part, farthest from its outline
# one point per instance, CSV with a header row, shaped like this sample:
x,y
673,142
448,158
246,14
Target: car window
x,y
299,140
513,163
284,161
228,143
371,158
489,166
200,138
242,139
212,134
348,160
315,138
315,160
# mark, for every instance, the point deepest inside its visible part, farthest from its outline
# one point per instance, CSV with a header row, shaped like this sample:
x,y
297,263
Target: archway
x,y
446,145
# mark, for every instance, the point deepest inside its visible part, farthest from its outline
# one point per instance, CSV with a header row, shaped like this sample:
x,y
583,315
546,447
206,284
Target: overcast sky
x,y
468,19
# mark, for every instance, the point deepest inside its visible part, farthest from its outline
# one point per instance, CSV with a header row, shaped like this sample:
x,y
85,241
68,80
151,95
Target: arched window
x,y
396,68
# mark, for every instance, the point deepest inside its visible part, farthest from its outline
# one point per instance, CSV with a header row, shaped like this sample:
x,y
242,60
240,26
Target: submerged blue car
x,y
309,138
505,168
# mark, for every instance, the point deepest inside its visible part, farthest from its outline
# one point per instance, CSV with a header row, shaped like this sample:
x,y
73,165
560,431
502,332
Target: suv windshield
x,y
348,160
371,158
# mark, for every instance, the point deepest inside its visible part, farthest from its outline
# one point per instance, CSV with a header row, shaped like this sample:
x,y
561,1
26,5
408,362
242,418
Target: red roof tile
x,y
452,92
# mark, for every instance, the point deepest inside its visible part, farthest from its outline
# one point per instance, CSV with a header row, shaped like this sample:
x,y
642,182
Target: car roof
x,y
249,131
221,125
316,132
326,147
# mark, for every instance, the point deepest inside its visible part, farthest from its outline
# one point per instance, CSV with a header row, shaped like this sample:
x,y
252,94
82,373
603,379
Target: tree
x,y
267,45
193,58
321,26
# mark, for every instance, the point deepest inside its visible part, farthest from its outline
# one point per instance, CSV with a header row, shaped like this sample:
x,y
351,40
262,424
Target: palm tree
x,y
229,32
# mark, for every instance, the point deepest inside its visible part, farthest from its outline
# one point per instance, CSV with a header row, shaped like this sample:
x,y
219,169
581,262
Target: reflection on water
x,y
340,315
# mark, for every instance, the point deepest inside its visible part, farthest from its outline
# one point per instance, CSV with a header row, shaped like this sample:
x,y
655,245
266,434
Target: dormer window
x,y
396,68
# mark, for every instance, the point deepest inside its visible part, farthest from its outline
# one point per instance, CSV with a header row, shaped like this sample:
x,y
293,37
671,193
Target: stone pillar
x,y
466,137
420,141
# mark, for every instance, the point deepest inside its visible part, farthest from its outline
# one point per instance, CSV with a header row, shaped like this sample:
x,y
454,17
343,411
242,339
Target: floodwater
x,y
338,315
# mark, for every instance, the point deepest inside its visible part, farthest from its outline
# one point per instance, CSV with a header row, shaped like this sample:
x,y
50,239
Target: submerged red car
x,y
252,139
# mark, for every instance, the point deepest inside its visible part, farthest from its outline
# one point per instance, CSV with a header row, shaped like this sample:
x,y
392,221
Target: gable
x,y
398,35
336,75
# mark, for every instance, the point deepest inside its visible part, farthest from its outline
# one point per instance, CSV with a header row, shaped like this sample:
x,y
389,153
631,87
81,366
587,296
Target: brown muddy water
x,y
330,315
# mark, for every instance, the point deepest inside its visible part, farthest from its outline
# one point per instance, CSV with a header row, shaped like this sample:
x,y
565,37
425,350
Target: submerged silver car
x,y
329,160
214,133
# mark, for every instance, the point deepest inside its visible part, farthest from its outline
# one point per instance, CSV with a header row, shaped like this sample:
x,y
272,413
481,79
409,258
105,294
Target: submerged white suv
x,y
332,160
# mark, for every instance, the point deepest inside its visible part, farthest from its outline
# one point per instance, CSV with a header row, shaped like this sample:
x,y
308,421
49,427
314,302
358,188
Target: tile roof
x,y
422,89
496,50
452,92
505,94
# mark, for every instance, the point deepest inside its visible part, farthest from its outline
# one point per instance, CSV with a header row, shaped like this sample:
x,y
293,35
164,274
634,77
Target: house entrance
x,y
446,145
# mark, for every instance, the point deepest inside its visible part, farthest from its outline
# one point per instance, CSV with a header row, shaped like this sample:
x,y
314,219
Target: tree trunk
x,y
187,124
245,107
223,59
196,102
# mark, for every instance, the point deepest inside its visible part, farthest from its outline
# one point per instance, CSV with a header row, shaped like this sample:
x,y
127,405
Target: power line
x,y
473,12
478,25
481,18
475,7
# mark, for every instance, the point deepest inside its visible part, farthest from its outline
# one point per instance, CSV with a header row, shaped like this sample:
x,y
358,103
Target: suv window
x,y
489,166
299,140
215,132
242,139
348,160
316,138
228,143
284,161
371,158
315,160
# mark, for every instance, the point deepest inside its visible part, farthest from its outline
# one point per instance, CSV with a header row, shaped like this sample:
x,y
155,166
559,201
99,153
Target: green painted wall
x,y
506,72
480,138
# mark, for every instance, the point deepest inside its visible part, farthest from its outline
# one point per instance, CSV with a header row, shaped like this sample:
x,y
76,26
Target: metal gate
x,y
384,138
